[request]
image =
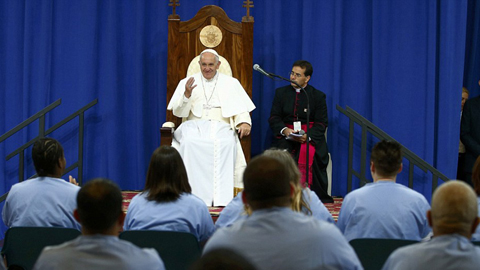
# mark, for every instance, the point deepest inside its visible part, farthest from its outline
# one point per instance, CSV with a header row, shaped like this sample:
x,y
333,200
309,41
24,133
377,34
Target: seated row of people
x,y
284,218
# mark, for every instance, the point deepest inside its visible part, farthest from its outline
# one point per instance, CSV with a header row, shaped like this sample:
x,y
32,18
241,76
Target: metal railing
x,y
369,127
20,151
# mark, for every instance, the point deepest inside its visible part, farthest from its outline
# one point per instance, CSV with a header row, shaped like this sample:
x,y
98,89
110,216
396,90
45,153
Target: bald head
x,y
266,183
454,209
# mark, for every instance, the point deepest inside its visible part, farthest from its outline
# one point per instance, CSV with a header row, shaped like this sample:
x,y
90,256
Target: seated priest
x,y
216,108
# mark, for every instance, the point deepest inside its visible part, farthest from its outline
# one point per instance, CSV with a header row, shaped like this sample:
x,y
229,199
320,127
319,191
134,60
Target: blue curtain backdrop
x,y
398,63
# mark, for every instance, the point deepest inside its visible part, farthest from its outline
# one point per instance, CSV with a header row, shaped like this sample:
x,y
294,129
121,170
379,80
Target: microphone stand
x,y
308,125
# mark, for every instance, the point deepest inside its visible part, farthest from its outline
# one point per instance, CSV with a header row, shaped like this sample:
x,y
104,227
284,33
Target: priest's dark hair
x,y
166,177
387,157
99,205
304,65
46,155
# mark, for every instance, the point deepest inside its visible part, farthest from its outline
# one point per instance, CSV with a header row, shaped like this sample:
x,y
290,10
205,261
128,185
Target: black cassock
x,y
289,106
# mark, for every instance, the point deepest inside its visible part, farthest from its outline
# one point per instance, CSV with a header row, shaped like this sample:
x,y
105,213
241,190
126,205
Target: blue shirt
x,y
476,235
235,211
187,214
384,209
98,252
279,238
41,202
442,252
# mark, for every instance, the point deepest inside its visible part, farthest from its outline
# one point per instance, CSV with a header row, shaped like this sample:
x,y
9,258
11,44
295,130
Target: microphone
x,y
259,69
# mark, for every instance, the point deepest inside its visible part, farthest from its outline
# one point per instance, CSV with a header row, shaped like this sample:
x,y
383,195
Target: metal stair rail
x,y
20,151
369,127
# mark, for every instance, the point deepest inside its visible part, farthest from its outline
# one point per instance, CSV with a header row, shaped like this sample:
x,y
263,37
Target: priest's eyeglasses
x,y
296,75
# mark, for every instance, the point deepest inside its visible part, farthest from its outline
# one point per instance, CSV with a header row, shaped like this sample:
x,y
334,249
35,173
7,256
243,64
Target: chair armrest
x,y
166,133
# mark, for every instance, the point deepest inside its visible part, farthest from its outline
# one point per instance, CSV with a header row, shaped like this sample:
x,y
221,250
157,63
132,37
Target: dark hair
x,y
99,204
222,259
476,176
387,157
266,182
304,65
166,177
46,153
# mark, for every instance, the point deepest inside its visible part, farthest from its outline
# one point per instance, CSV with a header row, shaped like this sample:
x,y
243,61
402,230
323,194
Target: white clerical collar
x,y
298,89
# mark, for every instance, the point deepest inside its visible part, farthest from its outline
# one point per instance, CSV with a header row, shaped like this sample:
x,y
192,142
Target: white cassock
x,y
209,146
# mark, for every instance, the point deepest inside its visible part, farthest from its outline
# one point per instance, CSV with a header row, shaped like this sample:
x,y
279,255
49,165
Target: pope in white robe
x,y
209,145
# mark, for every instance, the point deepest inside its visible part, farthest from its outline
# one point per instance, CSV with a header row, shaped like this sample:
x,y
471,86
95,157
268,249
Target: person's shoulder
x,y
314,90
142,254
59,249
24,186
192,200
318,229
227,78
358,192
410,192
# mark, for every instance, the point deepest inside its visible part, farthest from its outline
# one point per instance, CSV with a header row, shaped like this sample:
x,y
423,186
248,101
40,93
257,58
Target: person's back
x,y
47,200
280,238
276,237
99,210
167,202
98,252
187,214
384,209
453,218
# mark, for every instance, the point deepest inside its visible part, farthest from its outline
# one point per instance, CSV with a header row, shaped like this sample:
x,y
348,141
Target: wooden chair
x,y
186,39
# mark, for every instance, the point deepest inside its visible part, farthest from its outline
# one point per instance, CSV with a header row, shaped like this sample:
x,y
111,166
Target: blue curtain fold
x,y
398,63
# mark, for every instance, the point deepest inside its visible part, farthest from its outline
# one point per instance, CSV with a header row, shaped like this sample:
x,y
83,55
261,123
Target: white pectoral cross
x,y
207,108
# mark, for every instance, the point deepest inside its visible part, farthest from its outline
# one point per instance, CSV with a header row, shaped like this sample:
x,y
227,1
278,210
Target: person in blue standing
x,y
167,203
99,210
384,208
47,200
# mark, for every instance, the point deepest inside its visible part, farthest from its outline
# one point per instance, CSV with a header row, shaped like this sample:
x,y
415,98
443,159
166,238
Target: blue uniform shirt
x,y
442,252
279,238
41,202
384,209
187,214
98,252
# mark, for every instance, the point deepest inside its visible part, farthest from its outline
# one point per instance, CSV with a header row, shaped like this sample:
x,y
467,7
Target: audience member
x,y
461,148
166,203
453,218
304,199
99,210
222,259
384,209
476,186
275,236
470,134
47,200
